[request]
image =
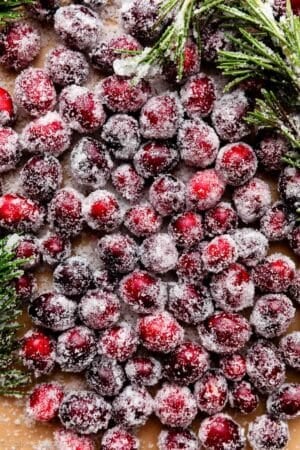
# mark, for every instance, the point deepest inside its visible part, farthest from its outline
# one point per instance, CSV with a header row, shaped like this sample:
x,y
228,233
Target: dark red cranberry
x,y
285,402
268,433
132,407
54,249
66,66
53,311
18,213
277,223
127,182
37,352
159,253
237,163
233,366
43,10
119,438
153,158
119,253
186,229
26,287
274,274
271,148
198,95
102,211
252,200
27,247
294,289
44,401
122,136
99,309
105,376
290,348
143,370
175,406
191,63
84,412
205,189
7,108
65,212
118,342
142,220
219,253
69,440
34,92
214,38
40,177
189,268
72,277
243,397
221,432
10,152
289,185
167,195
252,246
181,439
76,349
211,392
294,240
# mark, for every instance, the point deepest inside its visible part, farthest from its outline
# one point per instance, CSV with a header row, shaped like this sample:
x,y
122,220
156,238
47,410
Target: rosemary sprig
x,y
12,10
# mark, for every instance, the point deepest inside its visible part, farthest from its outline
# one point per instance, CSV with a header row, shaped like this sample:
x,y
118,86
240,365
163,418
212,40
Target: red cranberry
x,y
294,240
53,311
159,253
243,397
264,366
143,370
44,401
252,246
76,349
198,143
105,376
122,136
237,163
133,406
43,10
233,366
189,303
285,402
48,134
277,223
274,274
7,108
127,182
271,148
268,433
186,364
99,309
198,95
214,38
18,213
289,185
160,332
119,253
219,253
179,439
65,212
72,277
40,177
27,246
119,342
294,289
224,332
81,109
84,412
153,158
37,352
34,92
228,116
142,220
122,95
189,268
66,66
54,249
119,438
167,195
232,290
142,292
221,432
69,440
78,26
252,200
26,287
211,392
290,348
20,44
186,229
175,406
205,189
191,63
102,211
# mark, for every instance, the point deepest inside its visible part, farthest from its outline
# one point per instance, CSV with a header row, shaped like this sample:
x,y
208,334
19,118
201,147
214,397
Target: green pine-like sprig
x,y
12,10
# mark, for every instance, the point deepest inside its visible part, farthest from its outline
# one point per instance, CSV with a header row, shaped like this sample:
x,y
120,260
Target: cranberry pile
x,y
165,182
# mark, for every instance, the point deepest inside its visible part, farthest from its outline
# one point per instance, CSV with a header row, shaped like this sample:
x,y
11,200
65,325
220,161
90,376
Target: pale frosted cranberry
x,y
220,220
26,246
118,342
102,211
221,432
68,440
122,136
219,253
277,223
289,185
159,253
26,287
119,253
44,401
119,438
10,152
205,189
243,397
18,213
270,151
7,108
183,439
65,212
167,195
37,352
290,348
133,406
252,246
142,220
285,402
233,366
143,370
66,66
54,249
104,280
186,229
268,433
72,277
189,268
198,95
211,392
153,158
274,274
105,376
127,182
237,163
99,309
252,200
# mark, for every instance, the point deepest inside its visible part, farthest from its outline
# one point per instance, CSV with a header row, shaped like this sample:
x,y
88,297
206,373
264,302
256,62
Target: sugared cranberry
x,y
285,402
78,26
252,246
242,397
160,332
34,92
53,311
186,229
264,366
190,303
54,249
40,177
119,438
72,277
274,274
104,280
99,309
84,412
81,109
277,223
76,349
290,348
10,152
271,148
179,439
20,44
122,136
44,401
133,406
233,366
219,253
43,10
7,108
205,189
167,195
175,406
159,253
69,440
252,200
198,143
18,213
153,158
47,134
220,219
122,95
143,370
198,95
26,247
237,163
119,342
294,288
221,432
65,212
26,287
102,211
189,268
105,376
127,182
37,352
119,253
232,289
191,63
211,392
294,240
66,66
142,220
186,364
214,38
224,332
268,433
289,185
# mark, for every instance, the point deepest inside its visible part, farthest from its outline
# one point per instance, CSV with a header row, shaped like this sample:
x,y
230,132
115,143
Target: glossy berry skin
x,y
277,223
198,96
99,309
252,246
7,108
189,268
20,44
211,392
221,432
65,212
270,151
55,249
37,352
289,185
274,274
133,406
34,92
69,440
151,253
122,135
233,367
72,277
118,342
224,333
186,229
237,163
205,189
167,195
10,152
154,158
160,332
66,66
268,433
219,253
44,401
119,438
26,287
143,370
102,211
294,240
243,397
76,349
142,220
119,253
191,64
290,348
84,412
105,376
183,439
127,182
27,246
285,402
20,214
175,406
41,177
252,200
